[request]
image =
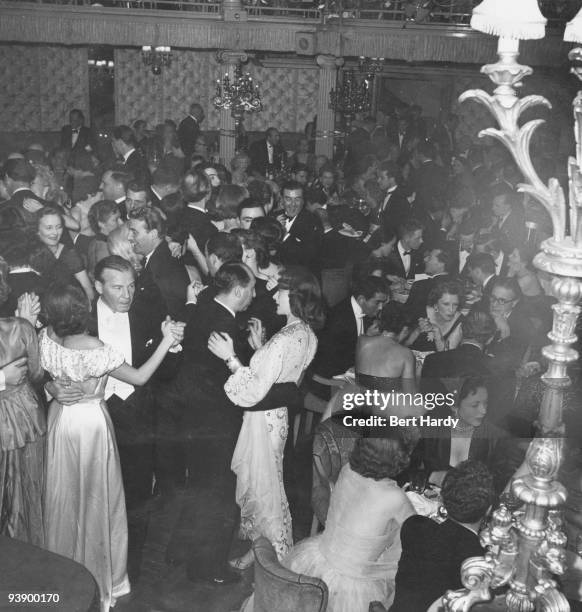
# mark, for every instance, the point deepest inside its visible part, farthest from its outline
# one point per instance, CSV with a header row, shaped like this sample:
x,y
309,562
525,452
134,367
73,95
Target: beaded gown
x,y
258,456
85,516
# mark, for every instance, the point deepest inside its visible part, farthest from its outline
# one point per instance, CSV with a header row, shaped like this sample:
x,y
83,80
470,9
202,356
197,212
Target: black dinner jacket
x,y
430,182
84,139
198,224
397,210
336,349
303,245
430,563
16,223
415,306
464,361
395,266
188,132
146,334
260,157
137,166
513,230
167,275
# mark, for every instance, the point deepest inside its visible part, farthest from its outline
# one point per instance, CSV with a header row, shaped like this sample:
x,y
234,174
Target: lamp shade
x,y
519,19
573,31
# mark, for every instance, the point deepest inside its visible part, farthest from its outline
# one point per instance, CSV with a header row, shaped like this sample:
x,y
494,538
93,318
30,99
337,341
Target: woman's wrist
x,y
232,362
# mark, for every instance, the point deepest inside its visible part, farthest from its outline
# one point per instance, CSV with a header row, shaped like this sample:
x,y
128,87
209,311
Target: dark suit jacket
x,y
336,350
84,139
430,564
416,303
430,185
395,266
303,245
397,210
137,165
198,224
16,223
513,231
167,275
260,157
464,361
188,132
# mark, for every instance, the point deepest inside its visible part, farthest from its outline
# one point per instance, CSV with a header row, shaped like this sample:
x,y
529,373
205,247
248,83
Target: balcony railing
x,y
425,12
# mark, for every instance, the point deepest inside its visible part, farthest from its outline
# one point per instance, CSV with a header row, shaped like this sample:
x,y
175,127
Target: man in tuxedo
x,y
303,230
125,147
436,267
481,267
122,322
509,224
446,369
430,180
395,207
114,183
212,424
267,155
336,351
17,214
76,136
164,182
161,271
487,243
432,553
405,260
189,129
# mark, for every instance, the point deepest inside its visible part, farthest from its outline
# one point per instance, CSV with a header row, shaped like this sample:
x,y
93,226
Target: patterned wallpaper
x,y
289,93
40,85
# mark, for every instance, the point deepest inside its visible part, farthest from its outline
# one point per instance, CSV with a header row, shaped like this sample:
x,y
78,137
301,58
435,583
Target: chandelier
x,y
526,549
102,66
157,58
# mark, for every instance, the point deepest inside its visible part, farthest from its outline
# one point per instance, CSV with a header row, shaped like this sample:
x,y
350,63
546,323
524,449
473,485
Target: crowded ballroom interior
x,y
254,251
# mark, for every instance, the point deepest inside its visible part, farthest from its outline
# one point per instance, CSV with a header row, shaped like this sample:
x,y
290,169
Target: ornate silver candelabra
x,y
156,57
526,549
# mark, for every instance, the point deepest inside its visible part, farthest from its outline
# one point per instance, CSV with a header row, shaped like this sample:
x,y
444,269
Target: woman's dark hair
x,y
468,491
253,240
444,288
4,286
384,456
305,299
470,386
48,211
66,309
392,318
100,213
228,199
270,230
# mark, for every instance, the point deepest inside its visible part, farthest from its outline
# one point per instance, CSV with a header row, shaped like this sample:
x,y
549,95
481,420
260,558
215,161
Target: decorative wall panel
x,y
40,85
289,92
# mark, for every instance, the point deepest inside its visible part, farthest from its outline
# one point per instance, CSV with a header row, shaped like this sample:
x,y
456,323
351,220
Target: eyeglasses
x,y
501,301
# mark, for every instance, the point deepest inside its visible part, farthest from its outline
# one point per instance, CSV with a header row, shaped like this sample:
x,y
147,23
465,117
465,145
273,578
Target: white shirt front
x,y
359,315
463,255
388,196
288,225
74,136
113,328
225,307
271,153
498,263
406,259
126,156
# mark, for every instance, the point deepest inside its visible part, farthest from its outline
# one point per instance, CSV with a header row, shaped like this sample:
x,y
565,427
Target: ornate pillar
x,y
328,65
229,61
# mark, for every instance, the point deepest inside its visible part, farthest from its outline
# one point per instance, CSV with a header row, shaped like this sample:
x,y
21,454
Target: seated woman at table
x,y
382,362
432,553
472,437
357,554
440,330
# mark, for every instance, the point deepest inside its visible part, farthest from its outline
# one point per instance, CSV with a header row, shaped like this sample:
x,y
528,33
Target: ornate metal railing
x,y
443,12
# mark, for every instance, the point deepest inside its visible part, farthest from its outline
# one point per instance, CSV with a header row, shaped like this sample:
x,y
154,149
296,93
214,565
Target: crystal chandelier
x,y
239,95
156,57
353,96
526,549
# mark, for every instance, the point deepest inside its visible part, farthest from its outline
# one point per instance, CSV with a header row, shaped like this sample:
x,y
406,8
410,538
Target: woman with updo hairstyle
x,y
118,244
271,231
22,426
54,260
258,458
357,554
441,329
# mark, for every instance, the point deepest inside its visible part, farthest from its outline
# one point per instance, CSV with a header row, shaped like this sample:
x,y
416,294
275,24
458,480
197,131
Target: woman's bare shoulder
x,y
82,342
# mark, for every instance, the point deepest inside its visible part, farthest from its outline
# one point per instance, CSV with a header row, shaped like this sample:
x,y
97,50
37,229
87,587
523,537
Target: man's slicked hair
x,y
231,275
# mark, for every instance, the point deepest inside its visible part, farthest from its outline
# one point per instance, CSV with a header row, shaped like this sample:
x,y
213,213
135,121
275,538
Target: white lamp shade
x,y
519,19
573,31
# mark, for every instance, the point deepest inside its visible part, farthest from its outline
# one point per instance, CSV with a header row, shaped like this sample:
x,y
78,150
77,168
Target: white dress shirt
x,y
359,315
406,258
74,136
113,328
288,225
387,198
499,263
126,156
271,153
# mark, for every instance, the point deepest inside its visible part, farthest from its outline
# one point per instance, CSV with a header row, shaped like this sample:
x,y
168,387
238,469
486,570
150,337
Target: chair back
x,y
280,589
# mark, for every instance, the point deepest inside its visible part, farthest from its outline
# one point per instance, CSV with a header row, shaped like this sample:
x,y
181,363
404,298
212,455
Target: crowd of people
x,y
165,318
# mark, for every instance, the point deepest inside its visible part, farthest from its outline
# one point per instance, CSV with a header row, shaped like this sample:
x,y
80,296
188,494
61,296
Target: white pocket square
x,y
149,342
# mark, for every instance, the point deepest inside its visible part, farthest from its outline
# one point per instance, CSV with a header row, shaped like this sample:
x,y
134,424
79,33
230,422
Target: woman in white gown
x,y
84,513
258,456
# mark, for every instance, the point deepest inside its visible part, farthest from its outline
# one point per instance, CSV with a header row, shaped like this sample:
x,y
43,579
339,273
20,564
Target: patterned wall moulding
x,y
44,84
